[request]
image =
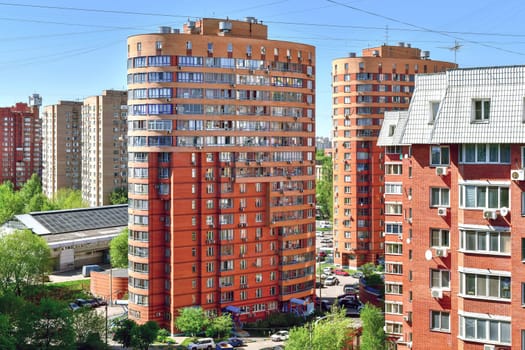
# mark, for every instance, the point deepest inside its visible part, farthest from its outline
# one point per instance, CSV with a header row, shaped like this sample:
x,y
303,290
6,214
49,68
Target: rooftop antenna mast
x,y
454,48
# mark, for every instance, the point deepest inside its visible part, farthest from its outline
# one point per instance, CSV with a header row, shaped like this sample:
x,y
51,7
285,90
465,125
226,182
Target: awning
x,y
297,301
232,309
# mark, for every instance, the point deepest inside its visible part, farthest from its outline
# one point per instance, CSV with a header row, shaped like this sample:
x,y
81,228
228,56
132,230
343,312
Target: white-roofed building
x,y
455,211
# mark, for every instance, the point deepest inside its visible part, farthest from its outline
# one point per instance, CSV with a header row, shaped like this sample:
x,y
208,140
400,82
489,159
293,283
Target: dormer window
x,y
434,107
481,110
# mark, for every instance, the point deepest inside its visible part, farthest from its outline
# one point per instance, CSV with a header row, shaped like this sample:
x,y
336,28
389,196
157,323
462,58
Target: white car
x,y
280,336
202,344
331,281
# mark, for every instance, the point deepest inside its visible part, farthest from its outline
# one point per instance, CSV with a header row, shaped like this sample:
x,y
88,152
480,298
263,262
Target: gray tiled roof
x,y
456,90
60,221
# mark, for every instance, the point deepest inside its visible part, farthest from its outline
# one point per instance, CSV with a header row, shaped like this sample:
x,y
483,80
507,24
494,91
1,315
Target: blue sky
x,y
68,54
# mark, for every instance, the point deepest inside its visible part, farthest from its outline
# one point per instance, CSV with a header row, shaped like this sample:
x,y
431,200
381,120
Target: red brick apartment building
x,y
21,139
454,212
382,79
221,171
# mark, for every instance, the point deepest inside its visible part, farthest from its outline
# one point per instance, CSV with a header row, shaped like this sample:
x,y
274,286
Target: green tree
x,y
118,249
124,331
51,325
331,332
119,196
144,335
7,340
32,188
86,323
191,320
24,258
324,187
10,203
373,335
219,326
67,198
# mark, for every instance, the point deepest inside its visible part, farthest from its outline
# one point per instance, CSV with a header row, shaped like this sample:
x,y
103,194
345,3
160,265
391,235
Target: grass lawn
x,y
66,291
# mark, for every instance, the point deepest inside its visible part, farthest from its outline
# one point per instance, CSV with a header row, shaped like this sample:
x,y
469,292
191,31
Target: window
x,y
439,278
394,268
482,328
393,208
485,242
393,169
393,327
393,188
393,228
434,108
481,109
439,238
484,153
484,285
440,321
393,288
482,197
439,197
439,155
394,248
393,308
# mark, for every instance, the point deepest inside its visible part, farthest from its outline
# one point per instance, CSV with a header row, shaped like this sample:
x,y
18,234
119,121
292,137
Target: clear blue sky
x,y
68,54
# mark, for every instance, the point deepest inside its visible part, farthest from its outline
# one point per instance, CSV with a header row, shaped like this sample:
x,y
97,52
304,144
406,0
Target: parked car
x,y
280,336
350,290
349,301
341,272
202,344
326,240
319,234
322,253
223,345
324,304
235,342
83,303
74,306
87,269
357,274
327,270
331,281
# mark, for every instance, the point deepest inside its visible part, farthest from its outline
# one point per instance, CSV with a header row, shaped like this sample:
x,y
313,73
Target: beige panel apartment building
x,y
104,146
61,146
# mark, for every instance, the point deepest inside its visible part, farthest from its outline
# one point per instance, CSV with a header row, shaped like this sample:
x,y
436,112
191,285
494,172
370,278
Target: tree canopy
x,y
24,258
118,249
331,332
30,198
373,335
118,196
324,187
191,320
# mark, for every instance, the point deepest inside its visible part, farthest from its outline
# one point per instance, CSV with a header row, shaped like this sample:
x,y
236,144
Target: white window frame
x,y
440,315
441,283
487,236
443,199
483,106
393,188
440,233
441,152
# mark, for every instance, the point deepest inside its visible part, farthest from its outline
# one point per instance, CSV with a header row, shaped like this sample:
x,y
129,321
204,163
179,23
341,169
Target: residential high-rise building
x,y
21,139
221,163
382,79
104,146
61,155
454,212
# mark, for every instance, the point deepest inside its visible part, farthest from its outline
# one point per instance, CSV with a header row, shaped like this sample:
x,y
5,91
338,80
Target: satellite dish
x,y
428,254
504,211
409,240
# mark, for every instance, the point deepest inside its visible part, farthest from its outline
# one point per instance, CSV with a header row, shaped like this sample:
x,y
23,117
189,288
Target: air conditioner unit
x,y
441,170
503,211
442,211
489,347
517,175
436,293
489,214
442,252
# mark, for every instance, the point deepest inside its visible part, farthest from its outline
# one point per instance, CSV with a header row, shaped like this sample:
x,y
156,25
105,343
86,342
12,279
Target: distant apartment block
x,y
322,143
61,147
104,146
21,142
364,87
454,202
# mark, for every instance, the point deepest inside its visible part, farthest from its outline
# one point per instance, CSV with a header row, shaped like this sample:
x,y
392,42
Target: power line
x,y
424,28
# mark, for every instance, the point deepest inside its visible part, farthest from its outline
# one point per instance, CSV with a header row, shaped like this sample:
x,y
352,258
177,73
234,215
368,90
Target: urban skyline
x,y
92,35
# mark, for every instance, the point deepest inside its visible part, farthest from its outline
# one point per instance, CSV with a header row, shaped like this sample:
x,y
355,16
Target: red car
x,y
341,272
322,254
